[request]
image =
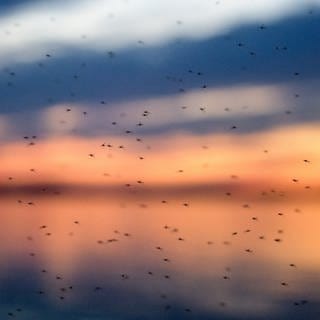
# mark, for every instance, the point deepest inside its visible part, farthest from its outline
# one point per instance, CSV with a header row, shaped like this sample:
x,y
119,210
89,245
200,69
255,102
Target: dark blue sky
x,y
283,52
151,71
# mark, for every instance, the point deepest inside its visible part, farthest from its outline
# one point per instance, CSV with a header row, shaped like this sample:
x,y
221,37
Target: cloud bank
x,y
31,31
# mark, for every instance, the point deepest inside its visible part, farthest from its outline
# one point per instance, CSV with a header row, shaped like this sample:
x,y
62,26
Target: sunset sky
x,y
192,125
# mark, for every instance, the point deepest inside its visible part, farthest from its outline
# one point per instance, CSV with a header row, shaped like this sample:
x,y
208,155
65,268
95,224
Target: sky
x,y
101,56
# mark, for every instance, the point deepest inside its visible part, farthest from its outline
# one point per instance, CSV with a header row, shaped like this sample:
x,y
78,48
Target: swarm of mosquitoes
x,y
65,287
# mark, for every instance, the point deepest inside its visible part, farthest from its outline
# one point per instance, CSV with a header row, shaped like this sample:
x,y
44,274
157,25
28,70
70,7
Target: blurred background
x,y
159,159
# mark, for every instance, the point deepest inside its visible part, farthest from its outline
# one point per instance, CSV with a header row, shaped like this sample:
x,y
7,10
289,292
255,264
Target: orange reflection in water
x,y
204,242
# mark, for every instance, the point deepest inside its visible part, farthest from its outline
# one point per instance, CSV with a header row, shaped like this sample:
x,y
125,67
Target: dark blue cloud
x,y
283,52
272,55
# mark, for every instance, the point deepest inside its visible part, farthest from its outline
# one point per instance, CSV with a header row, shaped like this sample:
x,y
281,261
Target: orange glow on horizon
x,y
271,157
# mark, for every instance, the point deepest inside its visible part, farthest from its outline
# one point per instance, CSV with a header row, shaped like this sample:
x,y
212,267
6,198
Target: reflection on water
x,y
161,256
